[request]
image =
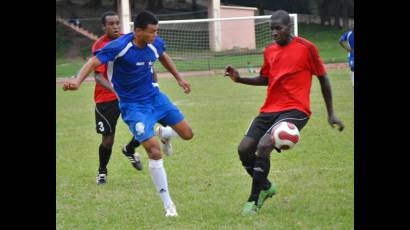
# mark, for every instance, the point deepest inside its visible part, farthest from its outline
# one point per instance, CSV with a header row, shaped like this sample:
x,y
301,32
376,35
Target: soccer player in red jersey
x,y
289,63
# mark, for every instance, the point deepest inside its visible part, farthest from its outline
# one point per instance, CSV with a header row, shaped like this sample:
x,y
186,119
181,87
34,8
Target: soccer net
x,y
208,44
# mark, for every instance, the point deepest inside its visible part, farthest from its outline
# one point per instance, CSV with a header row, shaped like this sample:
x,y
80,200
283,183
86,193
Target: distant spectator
x,y
348,38
250,68
75,21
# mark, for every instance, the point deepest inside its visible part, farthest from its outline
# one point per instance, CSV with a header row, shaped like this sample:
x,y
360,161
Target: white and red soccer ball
x,y
285,135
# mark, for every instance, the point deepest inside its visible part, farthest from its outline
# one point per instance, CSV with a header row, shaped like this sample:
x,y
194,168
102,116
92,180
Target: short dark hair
x,y
105,14
281,15
144,18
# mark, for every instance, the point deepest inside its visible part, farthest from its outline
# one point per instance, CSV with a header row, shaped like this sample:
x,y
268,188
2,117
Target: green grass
x,y
325,38
327,41
206,180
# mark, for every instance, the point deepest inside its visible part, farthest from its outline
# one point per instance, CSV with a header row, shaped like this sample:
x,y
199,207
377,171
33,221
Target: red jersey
x,y
102,94
289,70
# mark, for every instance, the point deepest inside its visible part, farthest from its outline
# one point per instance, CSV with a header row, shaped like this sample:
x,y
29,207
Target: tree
x,y
93,4
348,6
194,6
323,7
155,5
334,8
260,6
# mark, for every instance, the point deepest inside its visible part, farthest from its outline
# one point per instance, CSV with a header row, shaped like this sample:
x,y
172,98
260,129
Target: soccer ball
x,y
285,135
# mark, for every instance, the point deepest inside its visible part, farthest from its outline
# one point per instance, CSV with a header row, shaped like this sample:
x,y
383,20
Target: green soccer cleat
x,y
265,194
249,208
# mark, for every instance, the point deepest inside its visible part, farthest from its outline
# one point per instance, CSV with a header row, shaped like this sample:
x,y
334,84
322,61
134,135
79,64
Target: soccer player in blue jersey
x,y
129,66
348,38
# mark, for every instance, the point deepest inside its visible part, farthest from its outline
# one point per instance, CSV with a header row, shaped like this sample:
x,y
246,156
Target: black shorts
x,y
264,122
106,116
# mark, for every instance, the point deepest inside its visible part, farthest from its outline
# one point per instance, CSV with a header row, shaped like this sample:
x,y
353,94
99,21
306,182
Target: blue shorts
x,y
351,61
141,117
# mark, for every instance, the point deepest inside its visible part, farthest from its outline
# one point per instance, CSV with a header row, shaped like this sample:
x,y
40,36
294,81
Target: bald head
x,y
280,16
280,25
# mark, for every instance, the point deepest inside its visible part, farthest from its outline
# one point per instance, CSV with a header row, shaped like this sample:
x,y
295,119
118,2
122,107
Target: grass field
x,y
206,180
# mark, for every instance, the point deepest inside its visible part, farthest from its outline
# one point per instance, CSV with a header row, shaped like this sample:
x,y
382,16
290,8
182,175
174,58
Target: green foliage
x,y
293,6
206,180
63,41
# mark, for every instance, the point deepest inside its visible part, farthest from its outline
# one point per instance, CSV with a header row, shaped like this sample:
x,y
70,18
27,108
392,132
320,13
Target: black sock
x,y
131,146
266,185
260,175
105,155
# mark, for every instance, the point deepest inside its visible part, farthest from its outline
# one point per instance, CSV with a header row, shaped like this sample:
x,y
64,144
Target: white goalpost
x,y
206,44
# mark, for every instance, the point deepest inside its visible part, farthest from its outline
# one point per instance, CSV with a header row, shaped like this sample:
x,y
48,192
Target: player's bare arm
x,y
88,67
234,75
99,78
343,44
327,96
155,76
168,64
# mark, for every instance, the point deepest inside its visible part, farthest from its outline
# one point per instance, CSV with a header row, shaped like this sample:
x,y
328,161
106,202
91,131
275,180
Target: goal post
x,y
190,42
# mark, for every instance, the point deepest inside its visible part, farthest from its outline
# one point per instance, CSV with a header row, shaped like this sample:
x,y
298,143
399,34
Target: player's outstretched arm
x,y
155,76
167,62
234,75
90,65
343,44
99,78
327,95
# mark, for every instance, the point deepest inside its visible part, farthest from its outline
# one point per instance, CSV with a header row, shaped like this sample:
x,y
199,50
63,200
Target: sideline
x,y
330,66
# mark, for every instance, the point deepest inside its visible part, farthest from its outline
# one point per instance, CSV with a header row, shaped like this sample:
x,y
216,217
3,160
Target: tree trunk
x,y
336,7
345,14
259,5
194,6
323,9
155,5
337,22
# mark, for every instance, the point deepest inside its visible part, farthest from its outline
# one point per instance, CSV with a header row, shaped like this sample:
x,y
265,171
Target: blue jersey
x,y
349,38
130,69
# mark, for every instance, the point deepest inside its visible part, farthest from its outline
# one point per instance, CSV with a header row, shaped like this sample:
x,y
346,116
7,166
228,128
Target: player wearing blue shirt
x,y
348,38
129,62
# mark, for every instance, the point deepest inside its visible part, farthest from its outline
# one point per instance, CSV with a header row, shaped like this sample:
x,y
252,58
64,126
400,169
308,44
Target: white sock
x,y
167,132
353,78
159,177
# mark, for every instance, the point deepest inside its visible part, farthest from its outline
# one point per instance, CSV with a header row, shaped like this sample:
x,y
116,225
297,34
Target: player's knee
x,y
245,153
242,150
187,134
107,143
264,149
154,153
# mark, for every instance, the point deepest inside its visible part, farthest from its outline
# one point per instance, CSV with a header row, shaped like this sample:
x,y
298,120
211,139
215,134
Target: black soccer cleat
x,y
134,158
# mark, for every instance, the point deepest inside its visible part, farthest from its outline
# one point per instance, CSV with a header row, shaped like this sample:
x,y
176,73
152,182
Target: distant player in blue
x,y
129,62
348,38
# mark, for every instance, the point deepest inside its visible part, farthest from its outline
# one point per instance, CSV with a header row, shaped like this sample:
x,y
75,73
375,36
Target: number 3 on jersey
x,y
100,126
